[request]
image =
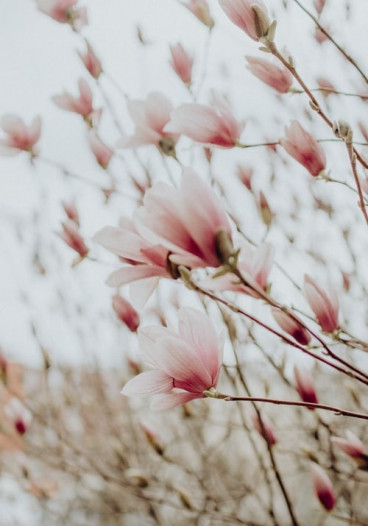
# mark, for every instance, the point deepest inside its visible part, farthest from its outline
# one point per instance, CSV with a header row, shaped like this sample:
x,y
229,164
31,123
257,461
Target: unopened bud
x,y
153,439
125,312
305,386
354,448
291,326
323,487
73,238
265,428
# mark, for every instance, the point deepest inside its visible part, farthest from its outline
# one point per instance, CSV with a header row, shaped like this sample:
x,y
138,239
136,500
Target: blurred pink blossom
x,y
125,312
20,137
265,428
184,364
102,152
305,385
91,62
64,11
304,148
150,117
17,412
325,307
182,63
212,126
291,326
73,238
352,446
277,77
201,10
83,104
185,220
241,13
245,174
71,211
319,5
323,487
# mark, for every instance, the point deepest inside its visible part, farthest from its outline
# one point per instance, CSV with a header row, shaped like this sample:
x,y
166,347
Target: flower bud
x,y
353,447
323,487
73,238
125,312
265,428
305,385
291,326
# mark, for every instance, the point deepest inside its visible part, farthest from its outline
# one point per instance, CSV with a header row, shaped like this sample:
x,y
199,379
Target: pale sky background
x,y
38,60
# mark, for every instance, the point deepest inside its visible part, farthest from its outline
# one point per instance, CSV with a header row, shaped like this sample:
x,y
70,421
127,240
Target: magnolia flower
x,y
325,86
291,326
181,63
304,148
201,10
305,385
91,62
147,261
150,117
184,364
215,126
102,152
250,15
64,11
186,221
125,312
20,137
323,487
354,447
83,105
325,307
319,5
73,238
277,77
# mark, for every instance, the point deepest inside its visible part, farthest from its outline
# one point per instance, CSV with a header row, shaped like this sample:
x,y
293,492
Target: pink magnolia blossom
x,y
91,62
304,148
182,63
241,13
325,307
150,117
83,104
148,262
64,11
201,10
305,385
323,487
185,220
277,77
320,36
73,238
20,137
212,126
353,446
184,364
125,312
102,152
291,326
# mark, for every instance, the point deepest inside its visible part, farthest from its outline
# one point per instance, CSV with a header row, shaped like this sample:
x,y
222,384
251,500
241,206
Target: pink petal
x,y
126,275
148,383
170,400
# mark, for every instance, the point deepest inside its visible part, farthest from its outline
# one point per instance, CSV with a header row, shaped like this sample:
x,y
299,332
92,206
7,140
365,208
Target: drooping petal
x,y
148,383
170,400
